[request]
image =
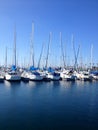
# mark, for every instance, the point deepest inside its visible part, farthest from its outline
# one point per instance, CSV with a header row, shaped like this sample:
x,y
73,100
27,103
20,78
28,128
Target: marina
x,y
49,65
49,97
47,75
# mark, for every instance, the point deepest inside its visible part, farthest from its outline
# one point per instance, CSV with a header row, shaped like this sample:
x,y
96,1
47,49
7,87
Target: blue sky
x,y
77,17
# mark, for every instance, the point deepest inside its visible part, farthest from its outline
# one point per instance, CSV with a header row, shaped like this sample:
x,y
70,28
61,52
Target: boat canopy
x,y
13,68
32,68
51,70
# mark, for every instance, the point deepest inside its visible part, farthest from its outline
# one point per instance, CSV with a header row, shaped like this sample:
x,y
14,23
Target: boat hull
x,y
12,77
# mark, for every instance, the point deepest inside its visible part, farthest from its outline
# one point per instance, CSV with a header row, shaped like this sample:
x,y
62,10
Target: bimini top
x,y
13,68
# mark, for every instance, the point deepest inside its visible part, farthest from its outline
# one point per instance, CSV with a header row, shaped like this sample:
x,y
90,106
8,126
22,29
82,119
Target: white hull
x,y
67,77
25,76
1,78
52,77
12,77
84,77
35,77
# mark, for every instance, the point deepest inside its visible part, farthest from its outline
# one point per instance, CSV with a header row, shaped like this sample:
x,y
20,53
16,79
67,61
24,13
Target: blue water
x,y
55,105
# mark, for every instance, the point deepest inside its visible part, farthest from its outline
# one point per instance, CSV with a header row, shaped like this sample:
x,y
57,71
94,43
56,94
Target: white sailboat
x,y
33,74
83,75
1,77
13,74
50,73
25,76
53,76
68,75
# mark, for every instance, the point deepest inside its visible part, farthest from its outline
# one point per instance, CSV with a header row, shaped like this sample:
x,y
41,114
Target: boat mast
x,y
47,57
40,55
32,46
91,56
81,60
6,57
62,49
75,54
14,58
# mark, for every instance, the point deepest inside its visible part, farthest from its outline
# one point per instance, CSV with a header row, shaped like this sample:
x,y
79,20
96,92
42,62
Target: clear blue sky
x,y
77,17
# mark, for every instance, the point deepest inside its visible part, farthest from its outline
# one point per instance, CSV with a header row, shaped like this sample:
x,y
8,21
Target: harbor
x,y
47,75
49,65
36,72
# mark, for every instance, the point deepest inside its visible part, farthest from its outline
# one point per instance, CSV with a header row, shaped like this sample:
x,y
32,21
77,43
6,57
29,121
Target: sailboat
x,y
13,74
33,74
2,72
25,75
66,74
1,75
50,73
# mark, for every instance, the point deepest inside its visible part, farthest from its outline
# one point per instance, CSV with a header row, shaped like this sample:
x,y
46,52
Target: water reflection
x,y
67,84
83,83
48,84
11,84
32,84
55,83
7,84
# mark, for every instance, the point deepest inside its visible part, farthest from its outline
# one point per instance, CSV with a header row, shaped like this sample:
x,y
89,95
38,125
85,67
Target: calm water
x,y
48,105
